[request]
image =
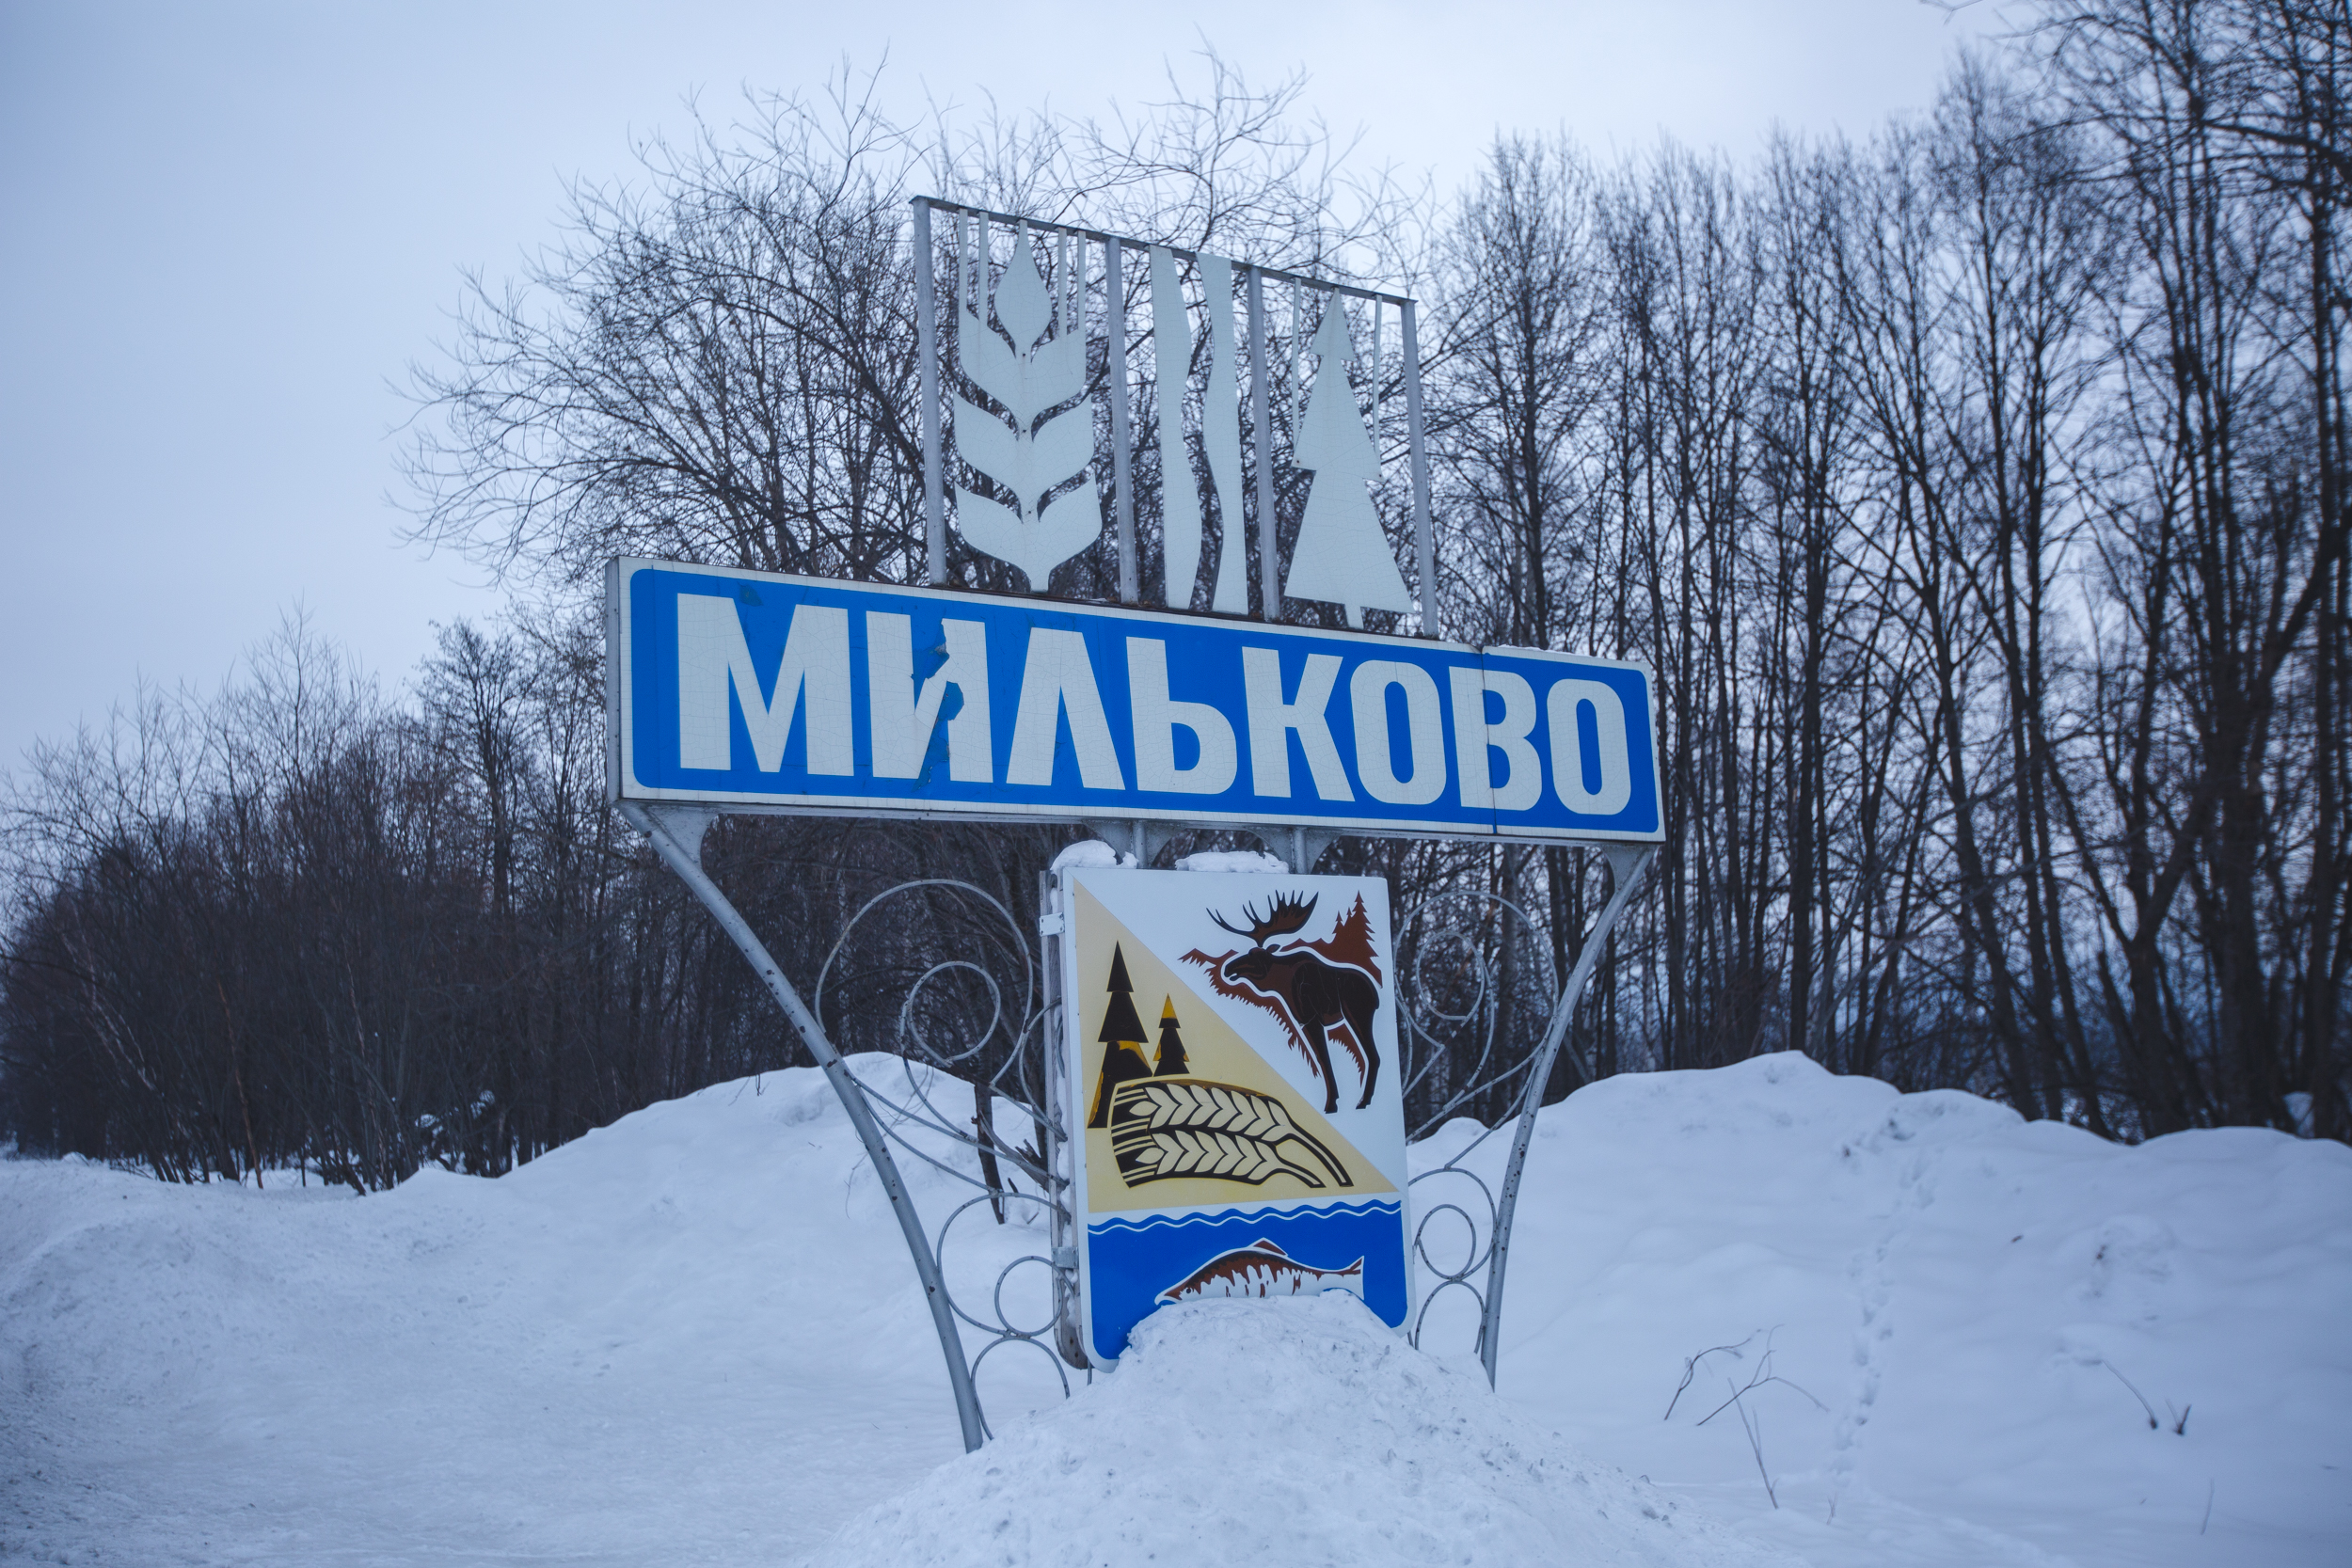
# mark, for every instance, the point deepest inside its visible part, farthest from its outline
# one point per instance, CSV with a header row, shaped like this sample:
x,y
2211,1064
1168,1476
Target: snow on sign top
x,y
1234,1068
757,691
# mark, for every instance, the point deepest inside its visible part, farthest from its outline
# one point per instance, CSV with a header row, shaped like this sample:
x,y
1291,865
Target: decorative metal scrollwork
x,y
1456,985
998,1051
1459,958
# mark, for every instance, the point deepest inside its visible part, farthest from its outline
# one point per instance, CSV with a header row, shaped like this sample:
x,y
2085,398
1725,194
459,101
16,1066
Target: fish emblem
x,y
1263,1269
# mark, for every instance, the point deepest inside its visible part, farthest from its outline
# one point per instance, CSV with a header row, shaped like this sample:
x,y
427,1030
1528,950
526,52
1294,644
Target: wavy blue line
x,y
1368,1206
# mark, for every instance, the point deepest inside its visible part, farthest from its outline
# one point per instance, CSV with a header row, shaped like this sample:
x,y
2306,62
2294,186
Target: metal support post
x,y
1626,865
927,351
1061,1124
1425,539
1122,480
686,860
1141,837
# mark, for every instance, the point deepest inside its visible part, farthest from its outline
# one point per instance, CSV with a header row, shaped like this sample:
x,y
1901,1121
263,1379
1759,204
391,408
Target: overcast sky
x,y
230,228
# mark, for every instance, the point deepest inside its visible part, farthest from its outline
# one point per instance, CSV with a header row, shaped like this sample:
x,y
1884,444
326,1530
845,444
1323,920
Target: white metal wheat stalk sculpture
x,y
1028,450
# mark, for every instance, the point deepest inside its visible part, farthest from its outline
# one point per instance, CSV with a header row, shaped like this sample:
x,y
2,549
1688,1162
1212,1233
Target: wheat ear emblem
x,y
1027,449
1162,1128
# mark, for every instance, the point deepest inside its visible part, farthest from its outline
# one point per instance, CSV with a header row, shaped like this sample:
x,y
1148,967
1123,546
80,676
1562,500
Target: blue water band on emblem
x,y
1129,1262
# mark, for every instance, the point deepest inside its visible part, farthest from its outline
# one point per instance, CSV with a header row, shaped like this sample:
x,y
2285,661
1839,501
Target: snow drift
x,y
1299,1432
694,1336
1967,1309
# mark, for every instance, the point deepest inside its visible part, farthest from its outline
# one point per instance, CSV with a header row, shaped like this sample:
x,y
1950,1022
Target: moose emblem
x,y
1319,990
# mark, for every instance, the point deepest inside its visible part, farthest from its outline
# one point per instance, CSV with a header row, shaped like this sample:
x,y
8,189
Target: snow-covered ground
x,y
694,1337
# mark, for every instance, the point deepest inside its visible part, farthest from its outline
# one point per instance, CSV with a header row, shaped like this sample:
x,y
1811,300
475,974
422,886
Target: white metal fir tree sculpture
x,y
1033,455
1341,556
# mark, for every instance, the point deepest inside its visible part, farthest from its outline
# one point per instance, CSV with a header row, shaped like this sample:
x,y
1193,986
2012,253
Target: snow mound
x,y
1090,851
1988,1340
1233,860
694,1337
1298,1432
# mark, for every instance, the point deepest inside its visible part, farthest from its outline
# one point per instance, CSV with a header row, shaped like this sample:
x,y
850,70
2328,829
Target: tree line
x,y
1975,491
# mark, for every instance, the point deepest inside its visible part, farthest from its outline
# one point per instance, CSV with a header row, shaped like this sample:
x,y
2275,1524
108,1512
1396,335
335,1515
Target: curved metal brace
x,y
685,857
1626,865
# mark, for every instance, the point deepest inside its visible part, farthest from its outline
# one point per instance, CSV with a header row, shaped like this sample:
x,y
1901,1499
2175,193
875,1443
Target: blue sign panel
x,y
760,692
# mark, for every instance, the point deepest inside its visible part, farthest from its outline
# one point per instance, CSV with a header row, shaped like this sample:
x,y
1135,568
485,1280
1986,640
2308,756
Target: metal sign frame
x,y
673,815
676,832
1254,279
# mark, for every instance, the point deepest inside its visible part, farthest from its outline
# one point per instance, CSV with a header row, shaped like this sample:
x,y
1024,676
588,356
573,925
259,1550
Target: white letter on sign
x,y
1157,718
1424,726
1561,706
1473,736
713,656
1056,677
903,719
1271,719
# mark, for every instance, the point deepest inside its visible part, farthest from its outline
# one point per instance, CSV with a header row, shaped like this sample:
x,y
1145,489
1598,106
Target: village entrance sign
x,y
732,690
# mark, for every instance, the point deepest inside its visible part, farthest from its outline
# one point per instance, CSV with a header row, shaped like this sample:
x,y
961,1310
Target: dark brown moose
x,y
1316,993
